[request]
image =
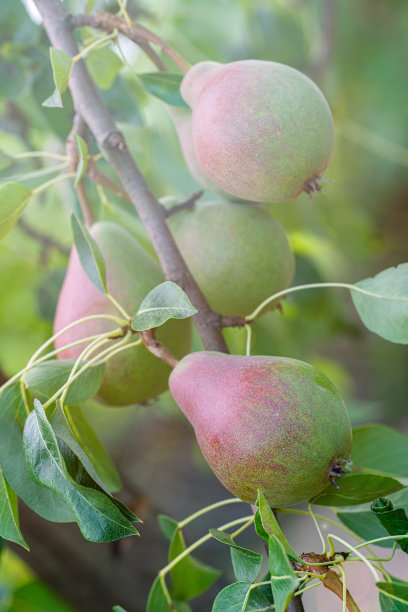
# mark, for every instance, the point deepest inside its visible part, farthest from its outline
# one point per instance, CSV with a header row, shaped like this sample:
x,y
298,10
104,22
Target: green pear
x,y
269,423
238,254
261,131
134,375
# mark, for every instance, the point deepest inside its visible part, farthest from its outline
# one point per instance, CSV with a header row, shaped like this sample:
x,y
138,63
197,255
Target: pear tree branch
x,y
135,32
58,25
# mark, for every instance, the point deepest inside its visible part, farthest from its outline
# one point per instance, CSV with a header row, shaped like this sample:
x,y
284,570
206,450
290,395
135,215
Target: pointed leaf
x,y
118,609
54,100
69,427
246,563
386,312
189,578
393,595
394,520
97,516
61,64
283,578
167,525
83,158
364,523
89,254
164,302
104,66
271,526
46,378
381,449
163,85
157,599
13,199
43,501
241,597
357,489
9,523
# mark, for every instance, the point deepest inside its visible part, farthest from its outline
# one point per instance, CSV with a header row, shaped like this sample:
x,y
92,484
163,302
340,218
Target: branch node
x,y
115,140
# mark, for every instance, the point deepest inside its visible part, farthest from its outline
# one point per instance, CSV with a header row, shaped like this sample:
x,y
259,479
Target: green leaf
x,y
240,597
157,599
364,523
89,5
104,66
164,302
118,609
189,578
5,160
46,378
163,85
89,254
246,563
386,314
97,516
54,100
381,449
394,520
167,525
43,501
393,595
9,523
283,578
13,199
72,428
61,64
271,526
83,158
357,489
35,596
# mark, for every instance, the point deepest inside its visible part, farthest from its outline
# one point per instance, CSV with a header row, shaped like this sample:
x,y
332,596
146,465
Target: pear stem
x,y
158,349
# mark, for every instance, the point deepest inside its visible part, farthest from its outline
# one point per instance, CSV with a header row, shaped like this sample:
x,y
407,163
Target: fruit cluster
x,y
254,132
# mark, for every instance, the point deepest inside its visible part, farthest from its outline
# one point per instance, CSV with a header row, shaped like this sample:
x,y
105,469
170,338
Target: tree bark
x,y
88,105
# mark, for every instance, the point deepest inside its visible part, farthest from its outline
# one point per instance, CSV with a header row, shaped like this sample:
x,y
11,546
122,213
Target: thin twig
x,y
186,205
157,348
135,32
47,242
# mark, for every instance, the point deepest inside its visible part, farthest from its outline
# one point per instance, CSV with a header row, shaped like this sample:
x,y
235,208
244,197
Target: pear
x,y
238,254
134,375
272,423
261,131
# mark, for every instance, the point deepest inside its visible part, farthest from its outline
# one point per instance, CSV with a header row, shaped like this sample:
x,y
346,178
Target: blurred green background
x,y
357,51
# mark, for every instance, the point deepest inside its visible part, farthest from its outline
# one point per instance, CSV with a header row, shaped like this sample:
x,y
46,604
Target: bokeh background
x,y
357,52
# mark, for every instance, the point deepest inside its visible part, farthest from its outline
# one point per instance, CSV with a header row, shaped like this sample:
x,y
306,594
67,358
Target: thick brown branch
x,y
136,32
87,103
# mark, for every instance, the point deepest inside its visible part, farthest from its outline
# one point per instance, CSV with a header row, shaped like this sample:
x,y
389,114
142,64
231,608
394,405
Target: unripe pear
x,y
238,254
133,375
272,423
261,131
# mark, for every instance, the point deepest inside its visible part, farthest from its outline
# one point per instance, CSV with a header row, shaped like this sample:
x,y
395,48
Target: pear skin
x,y
261,131
272,423
134,375
237,252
